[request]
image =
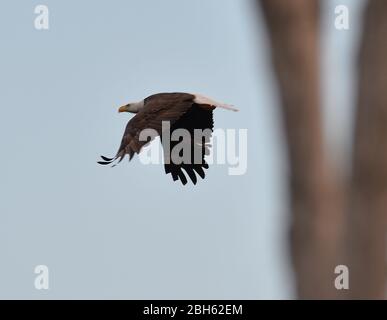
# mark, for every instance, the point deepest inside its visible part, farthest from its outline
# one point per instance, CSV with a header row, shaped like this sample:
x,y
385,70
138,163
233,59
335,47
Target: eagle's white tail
x,y
228,107
200,99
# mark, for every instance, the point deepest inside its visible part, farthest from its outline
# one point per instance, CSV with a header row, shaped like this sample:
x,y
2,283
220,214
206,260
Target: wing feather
x,y
196,118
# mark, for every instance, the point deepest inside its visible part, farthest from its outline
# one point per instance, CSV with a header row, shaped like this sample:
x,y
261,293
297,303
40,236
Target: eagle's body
x,y
182,111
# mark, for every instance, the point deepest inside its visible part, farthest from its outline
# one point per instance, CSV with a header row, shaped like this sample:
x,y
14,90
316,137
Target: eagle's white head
x,y
132,107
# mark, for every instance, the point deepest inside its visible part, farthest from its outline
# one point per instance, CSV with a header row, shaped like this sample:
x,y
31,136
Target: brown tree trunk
x,y
368,214
315,199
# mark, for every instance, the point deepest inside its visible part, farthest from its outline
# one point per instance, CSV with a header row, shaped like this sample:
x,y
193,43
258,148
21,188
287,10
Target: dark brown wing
x,y
196,117
157,108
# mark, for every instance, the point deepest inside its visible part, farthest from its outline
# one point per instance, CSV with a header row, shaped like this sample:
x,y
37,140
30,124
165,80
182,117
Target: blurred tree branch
x,y
316,198
368,211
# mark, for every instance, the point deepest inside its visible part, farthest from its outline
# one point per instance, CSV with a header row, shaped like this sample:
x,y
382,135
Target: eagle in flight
x,y
182,111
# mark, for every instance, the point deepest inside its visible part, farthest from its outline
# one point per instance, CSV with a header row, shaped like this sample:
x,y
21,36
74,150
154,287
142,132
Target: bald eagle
x,y
182,111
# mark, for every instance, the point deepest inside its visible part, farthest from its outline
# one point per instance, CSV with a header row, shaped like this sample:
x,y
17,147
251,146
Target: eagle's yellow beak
x,y
123,109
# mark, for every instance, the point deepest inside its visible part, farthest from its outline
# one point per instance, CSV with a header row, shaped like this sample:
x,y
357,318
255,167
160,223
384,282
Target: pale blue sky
x,y
131,232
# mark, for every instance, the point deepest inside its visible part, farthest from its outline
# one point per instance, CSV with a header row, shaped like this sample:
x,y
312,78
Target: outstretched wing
x,y
157,108
196,117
